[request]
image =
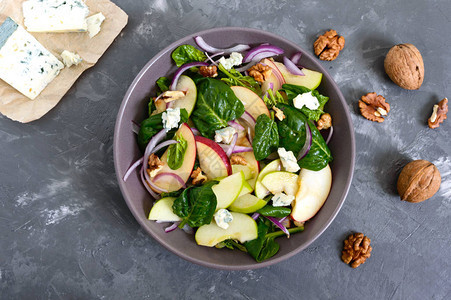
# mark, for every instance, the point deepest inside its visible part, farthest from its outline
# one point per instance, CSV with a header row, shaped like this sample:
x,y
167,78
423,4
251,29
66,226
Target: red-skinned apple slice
x,y
168,182
314,188
311,80
212,158
276,78
253,104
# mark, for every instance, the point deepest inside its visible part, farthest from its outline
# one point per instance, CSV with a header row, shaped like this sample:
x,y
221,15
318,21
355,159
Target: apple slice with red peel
x,y
212,158
170,183
314,188
253,104
276,79
187,85
311,80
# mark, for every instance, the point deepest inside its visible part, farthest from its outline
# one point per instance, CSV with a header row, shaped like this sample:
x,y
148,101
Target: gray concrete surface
x,y
66,233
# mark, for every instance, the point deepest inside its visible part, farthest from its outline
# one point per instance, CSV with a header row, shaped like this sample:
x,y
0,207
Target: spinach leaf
x,y
176,153
171,194
163,83
265,246
216,105
276,212
196,205
153,124
271,99
233,77
151,106
231,244
293,90
266,138
292,138
186,54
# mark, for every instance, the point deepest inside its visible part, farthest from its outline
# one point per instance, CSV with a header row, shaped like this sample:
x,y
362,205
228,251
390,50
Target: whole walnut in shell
x,y
404,65
419,180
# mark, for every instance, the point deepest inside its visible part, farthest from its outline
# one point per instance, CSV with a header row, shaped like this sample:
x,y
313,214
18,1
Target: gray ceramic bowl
x,y
138,200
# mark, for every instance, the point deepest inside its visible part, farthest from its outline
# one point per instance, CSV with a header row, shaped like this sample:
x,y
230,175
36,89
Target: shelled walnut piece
x,y
329,45
438,114
211,71
324,122
356,249
155,165
419,180
260,72
373,107
198,177
236,159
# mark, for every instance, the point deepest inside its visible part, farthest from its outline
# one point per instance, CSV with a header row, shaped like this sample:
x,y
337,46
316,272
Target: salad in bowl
x,y
235,146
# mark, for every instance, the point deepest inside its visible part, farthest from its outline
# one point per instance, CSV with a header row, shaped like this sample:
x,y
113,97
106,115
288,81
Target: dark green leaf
x,y
254,247
196,205
266,138
293,90
272,99
216,105
276,212
292,137
231,244
186,54
163,83
176,153
171,194
233,78
151,106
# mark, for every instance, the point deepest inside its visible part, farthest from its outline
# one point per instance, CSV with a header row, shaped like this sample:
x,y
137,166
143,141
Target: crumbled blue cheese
x,y
171,118
70,58
223,217
235,59
225,135
282,199
55,15
94,23
307,100
24,63
289,161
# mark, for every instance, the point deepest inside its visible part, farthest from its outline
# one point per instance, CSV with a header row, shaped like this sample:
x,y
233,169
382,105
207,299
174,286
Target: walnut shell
x,y
404,65
419,180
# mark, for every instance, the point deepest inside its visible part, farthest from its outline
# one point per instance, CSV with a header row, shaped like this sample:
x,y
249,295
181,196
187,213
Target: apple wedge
x,y
260,190
311,80
187,85
170,183
275,80
247,204
281,181
248,172
162,211
212,158
253,104
243,228
314,188
252,163
228,189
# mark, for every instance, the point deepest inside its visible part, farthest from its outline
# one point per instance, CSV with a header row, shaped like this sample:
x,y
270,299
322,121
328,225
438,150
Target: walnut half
x,y
438,114
260,72
329,45
356,249
373,107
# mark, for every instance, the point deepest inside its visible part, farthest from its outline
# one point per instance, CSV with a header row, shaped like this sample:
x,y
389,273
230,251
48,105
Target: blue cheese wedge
x,y
24,63
55,15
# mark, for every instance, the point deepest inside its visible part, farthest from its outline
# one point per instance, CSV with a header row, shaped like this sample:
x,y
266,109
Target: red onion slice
x,y
182,69
210,58
236,125
266,49
177,177
249,135
236,149
255,216
195,131
132,168
291,67
164,144
331,131
206,47
308,142
172,227
144,182
278,224
296,57
249,119
232,145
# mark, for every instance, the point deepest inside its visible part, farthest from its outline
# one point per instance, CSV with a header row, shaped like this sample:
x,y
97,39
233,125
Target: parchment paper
x,y
16,106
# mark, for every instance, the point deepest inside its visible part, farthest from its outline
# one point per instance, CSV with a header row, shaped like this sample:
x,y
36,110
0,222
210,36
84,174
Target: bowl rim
x,y
135,212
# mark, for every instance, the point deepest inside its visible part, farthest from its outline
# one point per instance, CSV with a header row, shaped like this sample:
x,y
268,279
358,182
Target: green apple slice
x,y
248,172
260,190
281,181
247,204
162,211
311,80
228,189
243,228
187,85
247,189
